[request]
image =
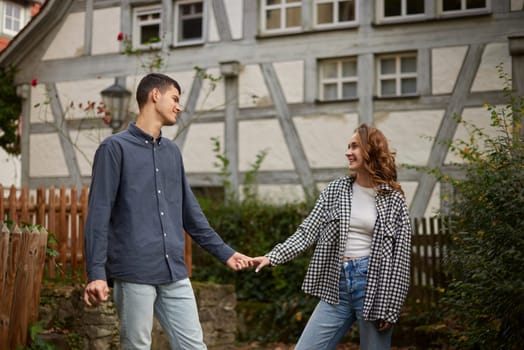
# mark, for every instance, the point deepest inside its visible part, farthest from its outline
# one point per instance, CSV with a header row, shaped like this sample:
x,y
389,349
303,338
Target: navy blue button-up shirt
x,y
140,203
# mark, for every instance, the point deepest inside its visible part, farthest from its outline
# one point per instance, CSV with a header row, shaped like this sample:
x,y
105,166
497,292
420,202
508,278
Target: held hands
x,y
240,261
96,292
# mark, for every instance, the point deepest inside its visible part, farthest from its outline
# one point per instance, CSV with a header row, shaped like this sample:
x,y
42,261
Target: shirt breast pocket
x,y
330,226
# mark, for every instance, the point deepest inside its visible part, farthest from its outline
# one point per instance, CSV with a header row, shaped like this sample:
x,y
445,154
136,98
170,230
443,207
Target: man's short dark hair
x,y
151,81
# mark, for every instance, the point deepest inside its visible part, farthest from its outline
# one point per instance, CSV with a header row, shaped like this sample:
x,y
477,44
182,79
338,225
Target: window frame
x,y
339,80
136,38
398,75
335,23
21,20
176,22
403,17
463,11
282,6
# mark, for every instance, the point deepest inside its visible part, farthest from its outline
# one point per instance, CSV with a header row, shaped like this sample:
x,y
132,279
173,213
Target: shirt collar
x,y
141,134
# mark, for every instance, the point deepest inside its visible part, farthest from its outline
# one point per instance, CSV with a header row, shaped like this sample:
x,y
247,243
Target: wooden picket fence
x,y
429,279
22,256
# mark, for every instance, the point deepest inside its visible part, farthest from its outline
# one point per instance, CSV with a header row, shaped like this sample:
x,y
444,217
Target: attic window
x,y
13,18
189,22
147,27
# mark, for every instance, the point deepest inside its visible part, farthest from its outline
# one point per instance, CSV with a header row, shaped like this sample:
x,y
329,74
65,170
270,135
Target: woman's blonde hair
x,y
379,160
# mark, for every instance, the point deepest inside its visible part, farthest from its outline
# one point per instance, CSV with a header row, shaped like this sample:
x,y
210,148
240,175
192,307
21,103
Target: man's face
x,y
167,104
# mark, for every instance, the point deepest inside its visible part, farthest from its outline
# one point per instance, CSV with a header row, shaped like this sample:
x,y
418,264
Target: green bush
x,y
485,299
253,229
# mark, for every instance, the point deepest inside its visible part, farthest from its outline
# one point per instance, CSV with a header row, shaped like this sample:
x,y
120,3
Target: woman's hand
x,y
260,261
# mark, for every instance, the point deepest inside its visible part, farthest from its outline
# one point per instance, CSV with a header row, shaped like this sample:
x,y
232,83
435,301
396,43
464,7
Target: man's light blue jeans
x,y
173,305
329,323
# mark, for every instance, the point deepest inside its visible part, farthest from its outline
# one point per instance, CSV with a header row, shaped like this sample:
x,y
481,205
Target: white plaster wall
x,y
40,111
517,5
409,188
106,26
325,138
85,143
487,77
234,10
445,66
212,34
280,194
198,149
407,133
76,95
69,41
255,136
47,156
10,170
480,118
291,77
252,88
212,93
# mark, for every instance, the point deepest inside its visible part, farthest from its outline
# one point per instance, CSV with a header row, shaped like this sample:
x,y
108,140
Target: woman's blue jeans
x,y
330,322
173,305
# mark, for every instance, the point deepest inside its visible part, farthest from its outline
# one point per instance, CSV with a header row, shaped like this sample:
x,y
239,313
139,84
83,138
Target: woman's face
x,y
354,154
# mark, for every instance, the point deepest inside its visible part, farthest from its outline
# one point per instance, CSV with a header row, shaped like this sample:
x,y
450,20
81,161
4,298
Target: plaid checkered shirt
x,y
327,226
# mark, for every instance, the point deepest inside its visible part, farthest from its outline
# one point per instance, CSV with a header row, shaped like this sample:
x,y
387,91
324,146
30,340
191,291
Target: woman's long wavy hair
x,y
379,160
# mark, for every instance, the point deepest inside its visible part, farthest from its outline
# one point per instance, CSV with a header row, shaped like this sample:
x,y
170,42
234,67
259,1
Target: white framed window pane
x,y
451,5
325,13
414,7
387,66
273,2
149,33
349,90
388,87
293,17
9,24
192,29
408,86
349,68
475,4
330,70
273,19
408,64
330,91
290,1
346,11
392,8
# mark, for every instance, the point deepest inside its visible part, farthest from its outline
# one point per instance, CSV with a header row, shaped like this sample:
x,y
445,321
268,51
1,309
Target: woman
x,y
361,262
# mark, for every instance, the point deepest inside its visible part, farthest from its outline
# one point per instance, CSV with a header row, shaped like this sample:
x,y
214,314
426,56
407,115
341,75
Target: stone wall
x,y
70,324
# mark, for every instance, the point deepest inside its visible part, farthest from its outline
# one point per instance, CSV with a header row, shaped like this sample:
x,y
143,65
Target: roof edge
x,y
51,13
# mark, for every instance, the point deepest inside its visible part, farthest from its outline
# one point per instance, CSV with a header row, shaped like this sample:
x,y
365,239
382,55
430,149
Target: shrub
x,y
485,299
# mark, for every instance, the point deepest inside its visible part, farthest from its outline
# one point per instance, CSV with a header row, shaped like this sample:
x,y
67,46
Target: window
x,y
281,15
397,75
189,22
13,18
461,6
401,8
147,28
338,79
334,12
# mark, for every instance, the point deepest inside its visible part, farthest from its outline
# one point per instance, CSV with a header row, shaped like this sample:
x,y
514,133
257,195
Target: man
x,y
140,204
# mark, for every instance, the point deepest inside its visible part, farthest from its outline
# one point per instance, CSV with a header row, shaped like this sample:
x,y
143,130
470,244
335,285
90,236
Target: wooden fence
x,y
22,256
429,279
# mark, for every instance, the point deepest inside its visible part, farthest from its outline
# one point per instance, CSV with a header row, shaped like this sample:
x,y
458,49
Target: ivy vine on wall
x,y
10,109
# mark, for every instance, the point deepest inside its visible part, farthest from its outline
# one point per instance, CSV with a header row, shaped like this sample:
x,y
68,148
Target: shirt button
x,y
167,256
165,234
159,191
156,169
147,141
161,213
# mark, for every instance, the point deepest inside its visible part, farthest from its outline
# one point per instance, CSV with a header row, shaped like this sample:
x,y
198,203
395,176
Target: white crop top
x,y
362,221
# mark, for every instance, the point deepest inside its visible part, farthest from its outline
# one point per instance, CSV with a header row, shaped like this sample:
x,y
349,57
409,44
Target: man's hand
x,y
96,292
260,261
383,325
239,261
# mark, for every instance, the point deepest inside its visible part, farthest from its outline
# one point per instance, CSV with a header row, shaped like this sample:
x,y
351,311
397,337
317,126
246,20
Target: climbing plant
x,y
10,109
